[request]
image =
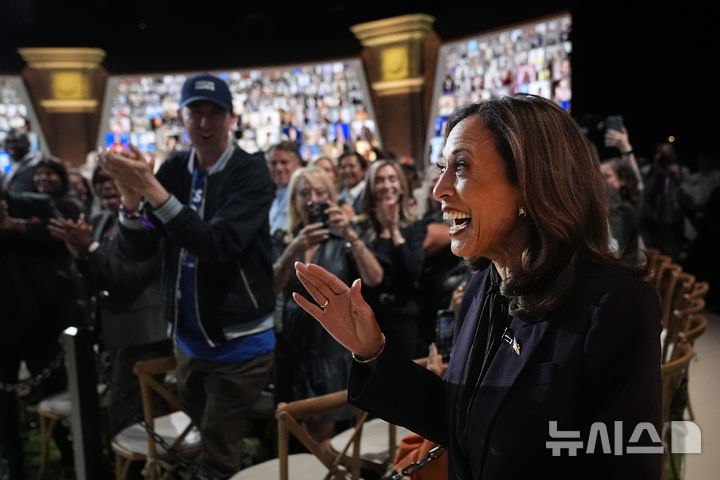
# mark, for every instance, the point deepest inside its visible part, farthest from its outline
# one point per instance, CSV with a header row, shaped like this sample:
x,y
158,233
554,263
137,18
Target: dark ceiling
x,y
157,35
648,61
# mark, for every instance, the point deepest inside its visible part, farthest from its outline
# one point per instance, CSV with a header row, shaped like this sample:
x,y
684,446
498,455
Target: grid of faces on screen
x,y
13,114
530,58
320,106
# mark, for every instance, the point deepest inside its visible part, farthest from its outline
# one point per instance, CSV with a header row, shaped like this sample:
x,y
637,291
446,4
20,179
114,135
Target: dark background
x,y
654,62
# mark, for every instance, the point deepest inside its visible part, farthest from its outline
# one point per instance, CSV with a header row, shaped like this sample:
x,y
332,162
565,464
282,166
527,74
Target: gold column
x,y
67,75
67,85
396,62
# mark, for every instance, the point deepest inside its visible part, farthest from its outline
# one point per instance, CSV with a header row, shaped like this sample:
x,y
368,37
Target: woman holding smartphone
x,y
310,361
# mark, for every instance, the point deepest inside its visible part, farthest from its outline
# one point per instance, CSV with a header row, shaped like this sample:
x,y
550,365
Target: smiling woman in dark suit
x,y
553,327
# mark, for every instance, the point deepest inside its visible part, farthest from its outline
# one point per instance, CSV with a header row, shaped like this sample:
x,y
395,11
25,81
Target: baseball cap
x,y
204,86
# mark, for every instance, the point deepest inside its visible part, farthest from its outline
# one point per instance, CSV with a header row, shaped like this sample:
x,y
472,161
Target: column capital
x,y
396,46
393,30
62,58
66,76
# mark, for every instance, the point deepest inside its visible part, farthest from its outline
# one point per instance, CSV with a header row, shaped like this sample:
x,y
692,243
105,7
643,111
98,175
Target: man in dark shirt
x,y
23,161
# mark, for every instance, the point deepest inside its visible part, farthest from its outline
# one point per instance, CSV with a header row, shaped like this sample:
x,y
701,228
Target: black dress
x,y
310,361
394,301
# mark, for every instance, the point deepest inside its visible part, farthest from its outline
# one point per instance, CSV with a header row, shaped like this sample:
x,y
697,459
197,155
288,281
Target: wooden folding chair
x,y
657,260
177,430
373,440
53,409
666,285
673,372
699,290
374,443
318,463
684,285
694,327
677,324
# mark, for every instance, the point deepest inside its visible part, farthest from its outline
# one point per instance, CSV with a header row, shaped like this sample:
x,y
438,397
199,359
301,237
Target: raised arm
x,y
344,313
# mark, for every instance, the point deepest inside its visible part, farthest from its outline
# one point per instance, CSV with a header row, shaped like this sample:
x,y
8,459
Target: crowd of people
x,y
223,258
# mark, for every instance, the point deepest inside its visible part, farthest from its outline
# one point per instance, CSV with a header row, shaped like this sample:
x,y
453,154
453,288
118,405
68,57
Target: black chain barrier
x,y
37,379
413,468
190,466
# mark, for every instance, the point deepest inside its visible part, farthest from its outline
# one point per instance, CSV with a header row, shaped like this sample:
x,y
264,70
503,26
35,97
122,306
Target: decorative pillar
x,y
399,67
66,86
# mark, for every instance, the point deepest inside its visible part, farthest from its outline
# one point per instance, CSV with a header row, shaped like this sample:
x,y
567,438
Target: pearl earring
x,y
522,213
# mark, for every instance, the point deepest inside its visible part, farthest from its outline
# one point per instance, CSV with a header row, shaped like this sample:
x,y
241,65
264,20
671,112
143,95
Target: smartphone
x,y
614,122
444,329
316,213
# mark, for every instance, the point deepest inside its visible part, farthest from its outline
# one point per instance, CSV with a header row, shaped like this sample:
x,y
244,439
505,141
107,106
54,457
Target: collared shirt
x,y
279,211
354,195
190,336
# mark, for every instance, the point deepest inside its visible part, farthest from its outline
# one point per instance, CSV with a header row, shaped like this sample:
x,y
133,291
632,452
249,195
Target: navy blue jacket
x,y
594,359
231,242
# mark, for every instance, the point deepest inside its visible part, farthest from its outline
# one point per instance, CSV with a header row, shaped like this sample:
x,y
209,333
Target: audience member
x,y
625,202
50,177
621,141
211,206
705,256
412,174
310,361
38,295
664,204
283,159
329,166
703,187
22,162
83,191
132,323
699,185
389,229
352,167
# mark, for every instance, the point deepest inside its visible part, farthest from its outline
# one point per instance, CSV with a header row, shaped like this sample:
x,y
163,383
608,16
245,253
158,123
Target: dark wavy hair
x,y
56,165
362,161
548,157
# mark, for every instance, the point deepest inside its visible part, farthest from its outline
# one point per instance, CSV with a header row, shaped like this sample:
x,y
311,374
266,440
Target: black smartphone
x,y
614,122
316,213
444,329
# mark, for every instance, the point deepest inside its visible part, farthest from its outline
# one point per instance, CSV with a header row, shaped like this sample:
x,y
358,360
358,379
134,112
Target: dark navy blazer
x,y
593,364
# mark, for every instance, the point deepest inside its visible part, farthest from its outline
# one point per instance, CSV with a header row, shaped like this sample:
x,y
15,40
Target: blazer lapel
x,y
466,331
507,366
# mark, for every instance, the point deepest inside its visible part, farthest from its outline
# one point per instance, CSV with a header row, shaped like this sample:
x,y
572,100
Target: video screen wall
x,y
16,111
532,57
321,106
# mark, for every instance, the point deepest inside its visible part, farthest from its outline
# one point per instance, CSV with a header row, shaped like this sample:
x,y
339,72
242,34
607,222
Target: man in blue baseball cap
x,y
204,86
211,205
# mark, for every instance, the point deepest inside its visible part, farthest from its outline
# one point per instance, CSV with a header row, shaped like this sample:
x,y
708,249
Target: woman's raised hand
x,y
340,309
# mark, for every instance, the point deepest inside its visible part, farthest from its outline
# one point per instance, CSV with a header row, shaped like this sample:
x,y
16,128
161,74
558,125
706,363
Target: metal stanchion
x,y
85,413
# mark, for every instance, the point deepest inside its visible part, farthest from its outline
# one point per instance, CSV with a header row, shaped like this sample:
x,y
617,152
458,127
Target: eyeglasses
x,y
307,192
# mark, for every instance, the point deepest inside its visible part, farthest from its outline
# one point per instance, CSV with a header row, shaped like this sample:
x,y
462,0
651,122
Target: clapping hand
x,y
76,235
133,174
388,214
